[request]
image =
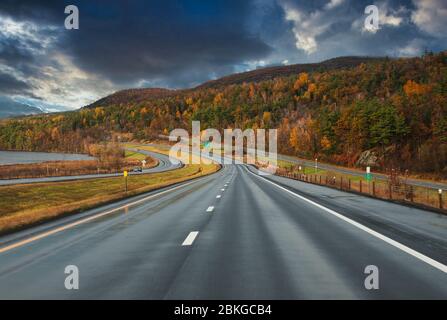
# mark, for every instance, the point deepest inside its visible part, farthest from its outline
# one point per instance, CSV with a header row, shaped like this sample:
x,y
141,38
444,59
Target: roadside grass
x,y
133,155
147,148
27,204
283,164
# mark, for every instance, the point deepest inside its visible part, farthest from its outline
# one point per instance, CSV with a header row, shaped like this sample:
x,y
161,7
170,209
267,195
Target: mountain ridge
x,y
137,95
10,108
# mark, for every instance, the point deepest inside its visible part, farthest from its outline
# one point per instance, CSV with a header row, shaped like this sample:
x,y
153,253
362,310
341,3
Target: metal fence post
x,y
440,199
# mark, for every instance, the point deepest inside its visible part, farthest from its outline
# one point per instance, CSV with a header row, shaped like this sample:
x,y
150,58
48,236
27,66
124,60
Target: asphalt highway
x,y
232,235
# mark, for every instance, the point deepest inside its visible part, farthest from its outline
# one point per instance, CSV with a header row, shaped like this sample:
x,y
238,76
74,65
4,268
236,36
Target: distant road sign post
x,y
125,179
368,174
368,178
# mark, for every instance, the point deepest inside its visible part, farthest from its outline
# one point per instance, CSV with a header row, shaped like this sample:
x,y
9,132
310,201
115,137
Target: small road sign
x,y
125,179
368,174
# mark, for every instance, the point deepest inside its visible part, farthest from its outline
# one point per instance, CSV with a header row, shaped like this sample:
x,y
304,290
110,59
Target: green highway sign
x,y
368,175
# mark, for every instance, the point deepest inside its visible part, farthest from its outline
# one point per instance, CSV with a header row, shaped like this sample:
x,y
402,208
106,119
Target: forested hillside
x,y
396,108
136,96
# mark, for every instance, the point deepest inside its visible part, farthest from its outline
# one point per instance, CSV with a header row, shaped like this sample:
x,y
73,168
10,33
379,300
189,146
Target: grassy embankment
x,y
24,205
132,155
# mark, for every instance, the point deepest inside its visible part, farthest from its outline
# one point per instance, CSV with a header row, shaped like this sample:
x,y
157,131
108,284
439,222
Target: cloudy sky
x,y
181,43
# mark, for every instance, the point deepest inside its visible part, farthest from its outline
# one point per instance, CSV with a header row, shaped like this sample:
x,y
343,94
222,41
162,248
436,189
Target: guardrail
x,y
399,192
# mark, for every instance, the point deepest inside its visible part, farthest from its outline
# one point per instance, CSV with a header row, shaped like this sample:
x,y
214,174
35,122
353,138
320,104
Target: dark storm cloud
x,y
164,39
13,52
10,85
144,40
46,12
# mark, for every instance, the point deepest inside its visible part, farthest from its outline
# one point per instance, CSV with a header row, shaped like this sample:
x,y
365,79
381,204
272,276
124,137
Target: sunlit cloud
x,y
333,3
306,27
431,16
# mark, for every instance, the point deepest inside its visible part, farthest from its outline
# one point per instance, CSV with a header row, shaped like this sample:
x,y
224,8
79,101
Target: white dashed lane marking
x,y
210,209
190,238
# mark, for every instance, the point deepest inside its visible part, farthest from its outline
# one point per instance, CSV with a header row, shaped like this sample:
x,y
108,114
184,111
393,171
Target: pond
x,y
19,157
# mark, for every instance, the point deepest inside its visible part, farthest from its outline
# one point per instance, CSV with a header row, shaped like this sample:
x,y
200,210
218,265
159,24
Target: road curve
x,y
232,235
329,167
164,164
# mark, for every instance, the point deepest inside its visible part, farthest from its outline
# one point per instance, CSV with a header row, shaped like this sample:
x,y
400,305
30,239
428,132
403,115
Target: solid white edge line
x,y
210,209
414,253
190,238
82,221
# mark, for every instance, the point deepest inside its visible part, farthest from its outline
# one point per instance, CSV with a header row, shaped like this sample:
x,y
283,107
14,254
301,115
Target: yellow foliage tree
x,y
218,99
302,80
55,133
266,118
99,112
325,143
412,88
293,139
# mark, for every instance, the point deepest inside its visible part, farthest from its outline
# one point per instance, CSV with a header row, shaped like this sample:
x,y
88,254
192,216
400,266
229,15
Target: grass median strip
x,y
133,155
24,205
